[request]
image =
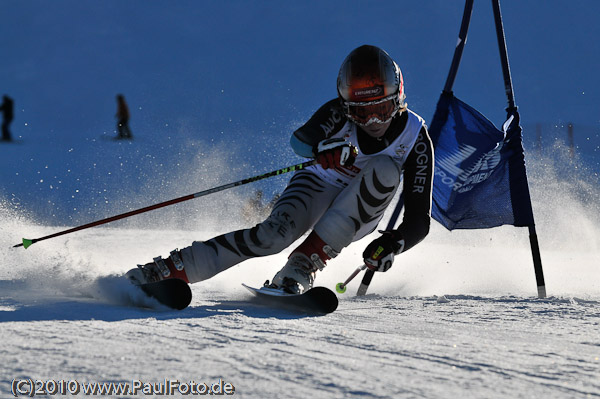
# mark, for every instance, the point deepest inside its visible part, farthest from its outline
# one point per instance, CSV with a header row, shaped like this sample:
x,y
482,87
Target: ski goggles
x,y
368,112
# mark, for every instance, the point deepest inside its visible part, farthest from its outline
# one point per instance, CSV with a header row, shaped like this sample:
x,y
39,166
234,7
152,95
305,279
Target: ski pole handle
x,y
341,287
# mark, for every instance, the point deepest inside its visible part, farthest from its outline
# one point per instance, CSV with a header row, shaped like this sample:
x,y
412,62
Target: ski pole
x,y
368,276
27,242
341,287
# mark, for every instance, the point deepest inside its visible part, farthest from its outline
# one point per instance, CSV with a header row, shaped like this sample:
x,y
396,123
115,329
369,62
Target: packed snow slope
x,y
456,316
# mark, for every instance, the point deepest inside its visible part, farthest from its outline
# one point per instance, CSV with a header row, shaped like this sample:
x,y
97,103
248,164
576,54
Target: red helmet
x,y
370,86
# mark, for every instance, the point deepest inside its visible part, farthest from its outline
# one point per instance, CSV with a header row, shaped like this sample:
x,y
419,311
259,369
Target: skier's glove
x,y
379,254
334,153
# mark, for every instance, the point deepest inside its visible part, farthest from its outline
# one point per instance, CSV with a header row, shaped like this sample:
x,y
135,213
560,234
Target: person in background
x,y
364,140
122,116
7,109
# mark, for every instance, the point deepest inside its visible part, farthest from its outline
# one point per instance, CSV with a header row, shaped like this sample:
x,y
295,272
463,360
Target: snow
x,y
456,316
376,346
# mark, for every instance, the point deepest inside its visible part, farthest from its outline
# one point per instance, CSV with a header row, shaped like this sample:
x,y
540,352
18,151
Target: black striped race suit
x,y
340,205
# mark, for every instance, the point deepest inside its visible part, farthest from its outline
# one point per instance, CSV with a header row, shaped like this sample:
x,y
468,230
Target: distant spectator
x,y
122,118
8,114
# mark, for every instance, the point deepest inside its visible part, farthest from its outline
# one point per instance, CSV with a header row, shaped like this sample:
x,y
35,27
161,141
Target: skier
x,y
122,116
364,141
7,116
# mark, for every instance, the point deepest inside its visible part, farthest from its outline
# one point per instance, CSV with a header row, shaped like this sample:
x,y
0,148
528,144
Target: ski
x,y
172,292
316,300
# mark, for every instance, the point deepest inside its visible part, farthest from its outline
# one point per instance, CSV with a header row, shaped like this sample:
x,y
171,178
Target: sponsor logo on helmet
x,y
368,92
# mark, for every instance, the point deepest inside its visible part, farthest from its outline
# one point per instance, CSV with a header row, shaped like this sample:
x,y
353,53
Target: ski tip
x,y
328,301
173,293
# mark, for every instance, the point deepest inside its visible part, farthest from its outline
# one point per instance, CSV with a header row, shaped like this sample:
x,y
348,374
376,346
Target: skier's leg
x,y
355,213
303,202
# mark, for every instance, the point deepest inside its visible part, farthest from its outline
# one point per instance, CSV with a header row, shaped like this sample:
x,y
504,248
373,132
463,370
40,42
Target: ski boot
x,y
298,274
159,269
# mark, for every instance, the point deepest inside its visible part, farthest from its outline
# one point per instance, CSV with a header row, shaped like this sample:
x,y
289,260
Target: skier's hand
x,y
334,153
379,254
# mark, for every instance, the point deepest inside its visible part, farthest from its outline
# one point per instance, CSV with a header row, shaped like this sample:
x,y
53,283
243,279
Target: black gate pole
x,y
508,87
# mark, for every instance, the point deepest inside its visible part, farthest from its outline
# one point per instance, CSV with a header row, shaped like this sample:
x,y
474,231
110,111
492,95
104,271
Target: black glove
x,y
379,254
334,153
